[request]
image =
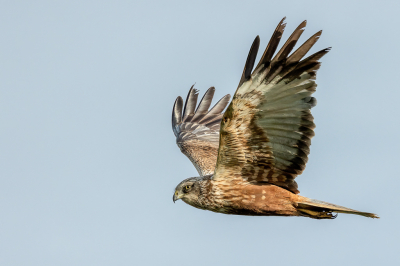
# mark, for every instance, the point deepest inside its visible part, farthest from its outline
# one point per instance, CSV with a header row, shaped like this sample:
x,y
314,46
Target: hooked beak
x,y
176,196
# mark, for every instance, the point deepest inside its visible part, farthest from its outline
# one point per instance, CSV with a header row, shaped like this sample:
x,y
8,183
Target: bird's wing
x,y
197,131
266,131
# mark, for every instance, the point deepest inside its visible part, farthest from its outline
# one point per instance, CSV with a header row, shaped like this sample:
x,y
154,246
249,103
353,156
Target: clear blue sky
x,y
88,161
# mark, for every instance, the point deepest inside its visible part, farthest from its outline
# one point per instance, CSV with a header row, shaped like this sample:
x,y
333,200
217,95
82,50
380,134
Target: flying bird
x,y
249,156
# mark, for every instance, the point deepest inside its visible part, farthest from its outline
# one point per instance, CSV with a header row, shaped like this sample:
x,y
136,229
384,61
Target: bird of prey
x,y
249,156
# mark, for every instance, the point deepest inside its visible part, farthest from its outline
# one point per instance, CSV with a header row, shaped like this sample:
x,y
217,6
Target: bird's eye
x,y
187,188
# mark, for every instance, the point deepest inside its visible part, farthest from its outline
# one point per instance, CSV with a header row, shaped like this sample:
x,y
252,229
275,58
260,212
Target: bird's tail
x,y
323,210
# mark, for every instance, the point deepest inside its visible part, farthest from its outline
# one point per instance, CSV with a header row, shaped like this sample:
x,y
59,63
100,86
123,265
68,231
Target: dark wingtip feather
x,y
313,58
290,43
251,58
177,113
304,48
190,104
202,115
206,100
220,105
216,110
204,104
273,44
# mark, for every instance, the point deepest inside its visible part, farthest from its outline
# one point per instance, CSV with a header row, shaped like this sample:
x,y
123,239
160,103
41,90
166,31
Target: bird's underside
x,y
242,198
249,156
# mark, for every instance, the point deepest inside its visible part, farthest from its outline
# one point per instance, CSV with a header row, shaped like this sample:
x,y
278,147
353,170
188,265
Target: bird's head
x,y
188,190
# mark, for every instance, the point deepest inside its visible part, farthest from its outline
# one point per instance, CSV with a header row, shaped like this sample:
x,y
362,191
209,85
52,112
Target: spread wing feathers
x,y
267,129
197,131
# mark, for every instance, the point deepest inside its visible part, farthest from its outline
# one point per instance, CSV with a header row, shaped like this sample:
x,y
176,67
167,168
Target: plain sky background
x,y
88,160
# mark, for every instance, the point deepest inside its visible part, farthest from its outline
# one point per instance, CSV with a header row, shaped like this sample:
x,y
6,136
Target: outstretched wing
x,y
267,129
197,131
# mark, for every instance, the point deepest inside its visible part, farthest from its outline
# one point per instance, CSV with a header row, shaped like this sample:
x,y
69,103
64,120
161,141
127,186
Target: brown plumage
x,y
249,157
197,132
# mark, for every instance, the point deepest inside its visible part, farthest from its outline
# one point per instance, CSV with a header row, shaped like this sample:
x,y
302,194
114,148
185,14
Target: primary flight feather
x,y
249,156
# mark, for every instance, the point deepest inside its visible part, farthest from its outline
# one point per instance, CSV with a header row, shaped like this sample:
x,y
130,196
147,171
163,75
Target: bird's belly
x,y
254,200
